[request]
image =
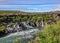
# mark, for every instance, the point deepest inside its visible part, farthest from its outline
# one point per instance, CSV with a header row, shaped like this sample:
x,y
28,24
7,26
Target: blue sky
x,y
14,2
30,5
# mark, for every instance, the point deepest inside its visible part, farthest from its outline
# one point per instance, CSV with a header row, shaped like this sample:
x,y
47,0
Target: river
x,y
22,35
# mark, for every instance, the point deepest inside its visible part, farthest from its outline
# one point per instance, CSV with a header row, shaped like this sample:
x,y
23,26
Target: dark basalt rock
x,y
3,34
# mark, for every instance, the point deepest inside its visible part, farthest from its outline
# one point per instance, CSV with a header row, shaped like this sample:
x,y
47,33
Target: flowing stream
x,y
23,35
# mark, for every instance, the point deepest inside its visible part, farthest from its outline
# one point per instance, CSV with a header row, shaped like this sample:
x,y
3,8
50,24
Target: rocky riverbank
x,y
22,26
17,27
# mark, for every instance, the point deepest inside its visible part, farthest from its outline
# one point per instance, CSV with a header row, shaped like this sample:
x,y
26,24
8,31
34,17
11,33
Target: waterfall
x,y
23,35
29,33
42,23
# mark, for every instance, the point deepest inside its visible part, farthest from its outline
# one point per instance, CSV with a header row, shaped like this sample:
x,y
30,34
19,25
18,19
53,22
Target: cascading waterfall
x,y
23,35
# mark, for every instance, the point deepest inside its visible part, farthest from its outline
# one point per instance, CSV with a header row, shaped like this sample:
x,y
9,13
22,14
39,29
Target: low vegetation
x,y
2,28
51,34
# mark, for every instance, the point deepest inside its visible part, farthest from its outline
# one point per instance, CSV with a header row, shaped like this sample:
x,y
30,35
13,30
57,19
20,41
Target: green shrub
x,y
50,34
2,28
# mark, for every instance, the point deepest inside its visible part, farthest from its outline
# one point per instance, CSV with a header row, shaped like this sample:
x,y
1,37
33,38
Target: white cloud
x,y
25,7
57,7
